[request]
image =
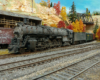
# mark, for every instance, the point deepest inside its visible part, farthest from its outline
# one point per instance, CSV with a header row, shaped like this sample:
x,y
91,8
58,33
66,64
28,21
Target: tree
x,y
53,25
61,24
63,13
45,24
57,7
96,13
96,27
73,14
87,11
74,27
43,3
51,5
78,26
70,27
98,34
42,23
84,28
48,3
81,25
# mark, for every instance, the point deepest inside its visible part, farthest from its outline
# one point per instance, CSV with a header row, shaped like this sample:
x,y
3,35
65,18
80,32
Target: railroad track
x,y
41,60
71,71
44,51
24,57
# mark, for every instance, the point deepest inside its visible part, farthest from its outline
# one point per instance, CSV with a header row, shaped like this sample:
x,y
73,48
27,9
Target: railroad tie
x,y
66,74
55,78
62,76
73,70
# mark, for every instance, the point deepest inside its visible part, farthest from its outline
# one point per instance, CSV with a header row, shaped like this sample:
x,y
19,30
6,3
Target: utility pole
x,y
32,6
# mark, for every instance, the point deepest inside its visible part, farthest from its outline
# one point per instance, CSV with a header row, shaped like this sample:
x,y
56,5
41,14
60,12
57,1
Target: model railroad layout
x,y
22,33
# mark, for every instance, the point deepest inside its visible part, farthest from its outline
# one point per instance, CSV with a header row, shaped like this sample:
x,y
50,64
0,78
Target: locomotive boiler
x,y
38,37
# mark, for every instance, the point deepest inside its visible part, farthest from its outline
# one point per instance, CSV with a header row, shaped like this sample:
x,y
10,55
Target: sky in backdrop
x,y
81,5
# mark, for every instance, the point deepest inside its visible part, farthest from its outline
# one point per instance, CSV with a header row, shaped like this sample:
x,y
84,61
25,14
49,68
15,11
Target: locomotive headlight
x,y
16,24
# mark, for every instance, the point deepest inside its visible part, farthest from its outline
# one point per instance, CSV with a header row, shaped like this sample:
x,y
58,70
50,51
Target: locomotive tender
x,y
42,37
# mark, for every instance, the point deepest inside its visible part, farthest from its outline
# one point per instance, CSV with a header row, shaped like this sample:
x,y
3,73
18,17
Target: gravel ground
x,y
91,74
49,66
14,59
71,70
24,57
42,68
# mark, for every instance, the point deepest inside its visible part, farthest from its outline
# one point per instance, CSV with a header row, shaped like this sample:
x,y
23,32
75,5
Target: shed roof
x,y
8,13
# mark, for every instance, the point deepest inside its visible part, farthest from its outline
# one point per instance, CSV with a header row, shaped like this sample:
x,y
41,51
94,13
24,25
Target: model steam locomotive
x,y
42,37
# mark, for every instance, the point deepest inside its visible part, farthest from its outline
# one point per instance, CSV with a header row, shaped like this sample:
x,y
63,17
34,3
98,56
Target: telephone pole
x,y
32,6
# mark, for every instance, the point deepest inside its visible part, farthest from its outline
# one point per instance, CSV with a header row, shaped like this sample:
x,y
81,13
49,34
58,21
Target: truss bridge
x,y
87,19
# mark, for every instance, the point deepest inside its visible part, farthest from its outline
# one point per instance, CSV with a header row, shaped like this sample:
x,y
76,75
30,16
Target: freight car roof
x,y
70,30
8,13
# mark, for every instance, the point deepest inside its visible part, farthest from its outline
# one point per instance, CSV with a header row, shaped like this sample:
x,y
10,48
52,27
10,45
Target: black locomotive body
x,y
38,37
42,37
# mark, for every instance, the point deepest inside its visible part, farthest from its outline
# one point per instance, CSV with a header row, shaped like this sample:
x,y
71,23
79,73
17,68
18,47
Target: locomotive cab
x,y
70,35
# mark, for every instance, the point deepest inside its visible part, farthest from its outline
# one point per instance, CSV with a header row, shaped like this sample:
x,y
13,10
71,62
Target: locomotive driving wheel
x,y
49,44
21,50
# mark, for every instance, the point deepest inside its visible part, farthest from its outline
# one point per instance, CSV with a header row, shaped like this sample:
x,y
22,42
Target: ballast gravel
x,y
15,59
46,67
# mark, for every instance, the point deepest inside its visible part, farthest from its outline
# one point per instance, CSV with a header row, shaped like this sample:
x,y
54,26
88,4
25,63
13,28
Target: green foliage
x,y
96,27
51,5
87,11
73,14
96,13
43,3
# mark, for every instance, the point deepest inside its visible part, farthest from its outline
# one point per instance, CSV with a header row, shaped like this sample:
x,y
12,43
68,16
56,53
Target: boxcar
x,y
6,34
89,37
79,37
93,36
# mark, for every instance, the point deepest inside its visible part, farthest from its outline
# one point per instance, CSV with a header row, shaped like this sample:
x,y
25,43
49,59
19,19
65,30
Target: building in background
x,y
87,20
